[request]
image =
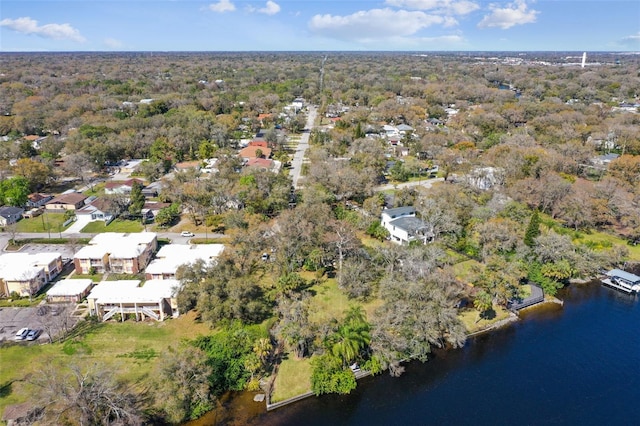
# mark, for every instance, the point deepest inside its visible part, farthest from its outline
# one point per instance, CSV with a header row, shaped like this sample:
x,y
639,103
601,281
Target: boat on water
x,y
622,280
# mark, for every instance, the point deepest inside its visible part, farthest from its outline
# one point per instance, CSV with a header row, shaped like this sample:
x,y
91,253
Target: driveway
x,y
81,222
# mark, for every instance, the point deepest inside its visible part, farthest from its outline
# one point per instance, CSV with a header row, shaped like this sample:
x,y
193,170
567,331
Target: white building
x,y
27,273
69,290
172,256
404,226
154,299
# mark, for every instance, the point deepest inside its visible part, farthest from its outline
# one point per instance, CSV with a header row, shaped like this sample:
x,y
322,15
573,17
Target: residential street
x,y
296,163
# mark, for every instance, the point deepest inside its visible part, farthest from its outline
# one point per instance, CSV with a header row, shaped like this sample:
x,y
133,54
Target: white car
x,y
186,234
22,334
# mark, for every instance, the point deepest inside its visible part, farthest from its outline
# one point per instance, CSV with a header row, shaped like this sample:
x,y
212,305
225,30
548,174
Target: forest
x,y
539,167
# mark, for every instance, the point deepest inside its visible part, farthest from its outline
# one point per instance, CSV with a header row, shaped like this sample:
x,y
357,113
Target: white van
x,y
22,333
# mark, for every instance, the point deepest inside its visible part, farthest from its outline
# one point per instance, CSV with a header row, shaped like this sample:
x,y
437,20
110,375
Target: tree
x,y
483,302
14,191
330,376
533,230
86,394
183,383
37,173
136,199
351,337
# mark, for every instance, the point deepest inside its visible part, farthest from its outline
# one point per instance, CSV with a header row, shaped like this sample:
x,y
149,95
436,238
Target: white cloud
x,y
27,25
373,24
113,43
222,6
632,40
512,14
271,8
453,7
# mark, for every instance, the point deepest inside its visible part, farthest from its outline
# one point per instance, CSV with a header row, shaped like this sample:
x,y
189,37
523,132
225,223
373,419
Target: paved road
x,y
296,163
427,183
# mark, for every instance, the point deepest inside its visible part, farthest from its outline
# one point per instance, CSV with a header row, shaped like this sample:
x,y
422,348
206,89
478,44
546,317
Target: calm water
x,y
578,364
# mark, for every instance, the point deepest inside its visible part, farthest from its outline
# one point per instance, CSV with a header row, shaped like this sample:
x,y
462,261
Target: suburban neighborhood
x,y
201,235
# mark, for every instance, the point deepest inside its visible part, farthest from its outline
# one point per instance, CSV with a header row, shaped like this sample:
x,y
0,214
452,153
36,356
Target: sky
x,y
319,25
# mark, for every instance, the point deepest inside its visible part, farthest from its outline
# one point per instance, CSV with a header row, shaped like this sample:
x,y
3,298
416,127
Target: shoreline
x,y
513,317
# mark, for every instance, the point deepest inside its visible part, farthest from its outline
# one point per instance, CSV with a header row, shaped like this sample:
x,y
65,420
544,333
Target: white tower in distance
x,y
584,58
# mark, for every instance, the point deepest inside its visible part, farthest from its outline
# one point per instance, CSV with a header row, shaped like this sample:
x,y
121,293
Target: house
x,y
150,209
27,273
155,299
187,165
404,226
404,129
98,209
10,215
264,164
261,143
170,257
603,161
121,187
38,200
66,291
116,252
69,201
152,190
255,152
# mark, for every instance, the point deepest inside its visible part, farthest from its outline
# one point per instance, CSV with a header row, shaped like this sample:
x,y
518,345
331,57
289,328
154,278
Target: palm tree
x,y
262,348
352,336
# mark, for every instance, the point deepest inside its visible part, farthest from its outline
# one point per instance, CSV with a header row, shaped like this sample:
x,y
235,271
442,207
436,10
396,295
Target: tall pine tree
x,y
533,230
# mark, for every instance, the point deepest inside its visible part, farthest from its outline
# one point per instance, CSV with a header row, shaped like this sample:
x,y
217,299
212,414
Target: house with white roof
x,y
404,226
69,290
126,253
27,273
170,257
154,299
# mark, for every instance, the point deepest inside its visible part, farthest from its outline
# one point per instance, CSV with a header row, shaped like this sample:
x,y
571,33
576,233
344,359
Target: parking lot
x,y
65,250
46,317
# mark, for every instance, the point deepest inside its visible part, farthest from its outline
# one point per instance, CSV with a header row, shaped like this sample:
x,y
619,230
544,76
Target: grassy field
x,y
601,240
469,318
465,270
44,223
130,349
294,378
115,226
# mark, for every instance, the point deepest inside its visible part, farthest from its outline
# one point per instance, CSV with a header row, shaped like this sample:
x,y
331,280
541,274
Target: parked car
x,y
186,234
33,334
22,333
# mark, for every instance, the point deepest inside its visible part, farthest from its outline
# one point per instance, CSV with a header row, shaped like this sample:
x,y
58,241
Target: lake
x,y
572,364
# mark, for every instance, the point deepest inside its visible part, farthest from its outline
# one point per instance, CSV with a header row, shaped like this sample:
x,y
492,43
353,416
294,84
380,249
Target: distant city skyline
x,y
321,25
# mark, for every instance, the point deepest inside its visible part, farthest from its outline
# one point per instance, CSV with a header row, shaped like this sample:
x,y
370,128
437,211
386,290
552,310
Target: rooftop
x,y
130,291
24,266
70,287
171,256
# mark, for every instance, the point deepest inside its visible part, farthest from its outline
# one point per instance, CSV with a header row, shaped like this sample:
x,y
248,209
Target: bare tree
x,y
88,395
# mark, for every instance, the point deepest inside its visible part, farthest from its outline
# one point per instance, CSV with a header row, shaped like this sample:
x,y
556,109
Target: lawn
x,y
294,378
44,223
469,318
130,349
330,302
465,271
600,240
115,226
